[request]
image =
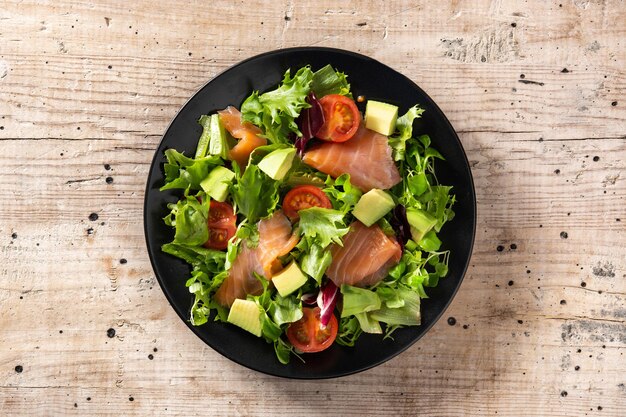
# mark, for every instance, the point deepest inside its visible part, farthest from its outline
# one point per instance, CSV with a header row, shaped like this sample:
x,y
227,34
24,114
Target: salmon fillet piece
x,y
275,239
366,157
365,258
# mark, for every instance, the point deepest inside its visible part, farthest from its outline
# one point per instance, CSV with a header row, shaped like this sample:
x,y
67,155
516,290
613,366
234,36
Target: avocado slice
x,y
420,221
372,206
289,279
217,182
246,314
381,117
276,164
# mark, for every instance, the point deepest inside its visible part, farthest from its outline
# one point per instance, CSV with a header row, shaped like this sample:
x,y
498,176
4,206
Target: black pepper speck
x,y
513,246
111,333
563,235
583,284
131,399
93,217
451,321
123,261
563,393
151,356
596,158
107,167
511,283
563,302
19,369
500,248
14,235
109,180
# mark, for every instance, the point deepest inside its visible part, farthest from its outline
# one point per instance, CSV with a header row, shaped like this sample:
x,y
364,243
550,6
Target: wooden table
x,y
537,93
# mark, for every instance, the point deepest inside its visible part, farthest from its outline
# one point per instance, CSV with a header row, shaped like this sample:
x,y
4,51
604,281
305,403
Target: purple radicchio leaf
x,y
326,300
400,225
309,122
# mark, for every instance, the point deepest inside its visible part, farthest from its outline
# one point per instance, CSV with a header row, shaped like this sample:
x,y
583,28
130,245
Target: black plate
x,y
373,80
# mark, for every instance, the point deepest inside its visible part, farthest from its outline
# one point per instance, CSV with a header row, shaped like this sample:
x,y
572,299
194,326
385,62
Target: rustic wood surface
x,y
537,92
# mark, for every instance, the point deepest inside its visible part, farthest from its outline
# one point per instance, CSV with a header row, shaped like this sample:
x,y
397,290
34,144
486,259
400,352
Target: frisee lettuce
x,y
184,172
324,225
275,111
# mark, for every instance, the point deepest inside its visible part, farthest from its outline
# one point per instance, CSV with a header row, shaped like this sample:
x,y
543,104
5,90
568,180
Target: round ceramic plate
x,y
373,80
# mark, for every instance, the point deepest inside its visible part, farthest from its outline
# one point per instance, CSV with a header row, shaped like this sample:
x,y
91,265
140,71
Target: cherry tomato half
x,y
304,197
222,225
307,334
341,118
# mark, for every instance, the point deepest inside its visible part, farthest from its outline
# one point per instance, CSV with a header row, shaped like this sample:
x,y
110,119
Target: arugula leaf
x,y
404,128
255,194
323,225
328,81
184,172
276,111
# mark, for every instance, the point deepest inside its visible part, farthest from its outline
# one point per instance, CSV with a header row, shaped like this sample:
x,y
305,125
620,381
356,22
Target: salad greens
x,y
391,303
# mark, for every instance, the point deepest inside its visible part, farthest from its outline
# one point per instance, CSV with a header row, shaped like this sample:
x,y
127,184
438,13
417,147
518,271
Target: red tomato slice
x,y
220,213
341,118
307,334
304,197
222,225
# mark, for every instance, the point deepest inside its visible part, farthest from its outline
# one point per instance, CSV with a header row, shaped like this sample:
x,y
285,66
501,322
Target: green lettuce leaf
x,y
315,259
358,300
189,217
275,111
184,172
328,81
255,194
323,225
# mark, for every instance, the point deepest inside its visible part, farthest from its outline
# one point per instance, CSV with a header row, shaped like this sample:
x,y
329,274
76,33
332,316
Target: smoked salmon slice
x,y
275,239
366,157
365,258
246,133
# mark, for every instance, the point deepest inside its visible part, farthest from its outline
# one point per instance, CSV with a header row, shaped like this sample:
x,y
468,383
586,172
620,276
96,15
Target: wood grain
x,y
537,92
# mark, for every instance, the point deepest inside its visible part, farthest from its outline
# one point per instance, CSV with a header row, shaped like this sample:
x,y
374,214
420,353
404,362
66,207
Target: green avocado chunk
x,y
246,314
289,279
217,182
381,117
276,164
420,221
372,206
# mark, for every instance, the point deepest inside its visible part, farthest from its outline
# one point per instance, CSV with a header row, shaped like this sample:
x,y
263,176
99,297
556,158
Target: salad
x,y
306,222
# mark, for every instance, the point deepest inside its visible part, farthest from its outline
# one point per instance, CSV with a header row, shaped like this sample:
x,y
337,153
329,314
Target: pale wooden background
x,y
537,92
